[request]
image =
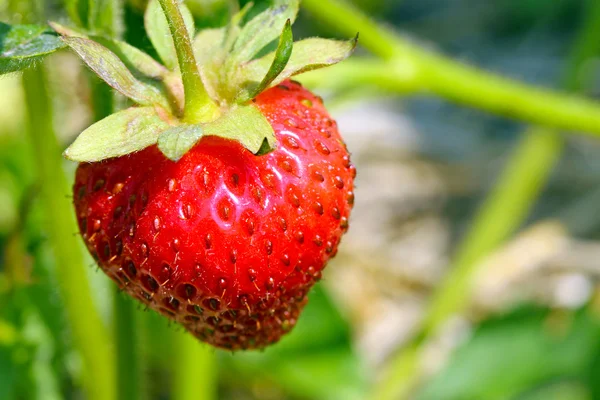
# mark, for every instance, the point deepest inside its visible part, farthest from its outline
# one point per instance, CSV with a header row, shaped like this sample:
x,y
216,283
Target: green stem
x,y
361,73
199,107
508,204
412,68
89,334
194,369
130,382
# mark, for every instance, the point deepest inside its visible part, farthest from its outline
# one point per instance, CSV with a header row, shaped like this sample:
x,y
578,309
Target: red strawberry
x,y
225,242
218,200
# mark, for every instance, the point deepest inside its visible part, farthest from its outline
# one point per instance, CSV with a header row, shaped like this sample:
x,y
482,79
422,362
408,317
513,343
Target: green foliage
x,y
280,60
228,56
114,72
158,31
245,124
118,134
521,351
307,55
21,46
177,141
140,64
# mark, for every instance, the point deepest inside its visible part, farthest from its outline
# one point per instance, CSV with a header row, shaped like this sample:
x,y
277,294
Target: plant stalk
x,y
89,333
199,107
131,380
413,69
194,369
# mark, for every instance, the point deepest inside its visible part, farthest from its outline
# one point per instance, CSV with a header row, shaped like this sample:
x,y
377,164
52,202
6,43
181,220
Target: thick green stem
x,y
194,368
89,333
199,107
412,68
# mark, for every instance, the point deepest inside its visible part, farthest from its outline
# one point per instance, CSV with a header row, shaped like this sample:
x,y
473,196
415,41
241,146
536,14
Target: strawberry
x,y
222,241
221,222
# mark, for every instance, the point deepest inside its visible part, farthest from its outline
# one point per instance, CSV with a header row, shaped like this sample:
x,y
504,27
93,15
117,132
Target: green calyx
x,y
206,84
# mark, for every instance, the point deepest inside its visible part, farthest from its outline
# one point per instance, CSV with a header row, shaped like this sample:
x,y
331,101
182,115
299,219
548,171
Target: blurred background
x,y
393,316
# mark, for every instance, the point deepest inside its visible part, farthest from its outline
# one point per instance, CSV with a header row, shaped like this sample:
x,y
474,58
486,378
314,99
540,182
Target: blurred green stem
x,y
130,373
510,201
414,69
194,368
89,333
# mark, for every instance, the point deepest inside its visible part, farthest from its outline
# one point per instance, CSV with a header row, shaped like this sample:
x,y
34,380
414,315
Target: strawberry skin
x,y
224,242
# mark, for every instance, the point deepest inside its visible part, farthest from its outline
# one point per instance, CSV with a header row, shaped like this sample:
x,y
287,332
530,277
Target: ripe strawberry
x,y
217,205
224,242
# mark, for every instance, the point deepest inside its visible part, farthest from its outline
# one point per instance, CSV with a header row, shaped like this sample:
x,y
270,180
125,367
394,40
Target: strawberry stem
x,y
199,107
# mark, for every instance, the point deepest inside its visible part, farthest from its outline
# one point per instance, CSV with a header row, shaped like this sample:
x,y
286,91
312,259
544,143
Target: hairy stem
x,y
199,106
410,68
89,333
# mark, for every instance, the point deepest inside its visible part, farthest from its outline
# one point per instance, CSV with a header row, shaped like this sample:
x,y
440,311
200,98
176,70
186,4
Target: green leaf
x,y
207,43
209,53
178,140
233,28
114,72
122,133
262,30
307,55
159,33
21,46
515,353
246,124
141,65
280,60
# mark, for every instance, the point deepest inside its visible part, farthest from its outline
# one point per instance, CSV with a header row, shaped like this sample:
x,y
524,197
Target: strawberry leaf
x,y
21,46
114,72
141,65
307,55
158,31
122,133
233,28
209,53
247,125
178,140
280,60
207,43
262,30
